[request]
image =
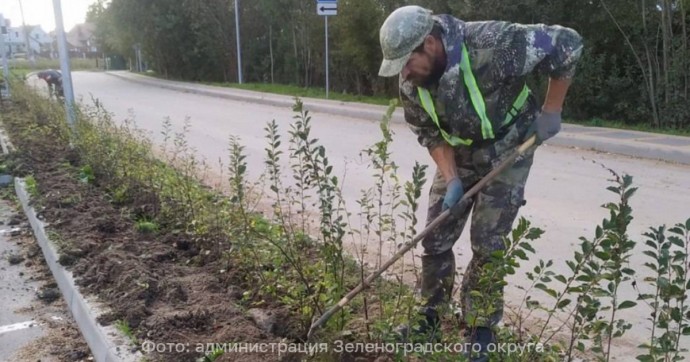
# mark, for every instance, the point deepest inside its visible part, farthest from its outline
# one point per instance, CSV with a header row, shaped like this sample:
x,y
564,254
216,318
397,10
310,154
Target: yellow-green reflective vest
x,y
477,102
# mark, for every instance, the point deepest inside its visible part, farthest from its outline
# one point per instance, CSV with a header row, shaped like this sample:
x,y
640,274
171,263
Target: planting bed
x,y
157,284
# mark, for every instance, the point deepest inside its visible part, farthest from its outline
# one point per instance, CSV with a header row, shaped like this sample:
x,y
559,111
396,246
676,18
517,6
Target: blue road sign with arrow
x,y
327,7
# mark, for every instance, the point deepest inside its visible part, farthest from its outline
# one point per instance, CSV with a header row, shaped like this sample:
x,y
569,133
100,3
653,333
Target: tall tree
x,y
635,67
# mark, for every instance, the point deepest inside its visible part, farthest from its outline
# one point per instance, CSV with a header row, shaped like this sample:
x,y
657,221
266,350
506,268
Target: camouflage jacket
x,y
501,55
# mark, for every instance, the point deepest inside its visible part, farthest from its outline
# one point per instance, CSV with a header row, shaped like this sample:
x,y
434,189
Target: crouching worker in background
x,y
54,80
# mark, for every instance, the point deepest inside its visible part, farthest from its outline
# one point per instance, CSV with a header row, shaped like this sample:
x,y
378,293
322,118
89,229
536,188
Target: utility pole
x,y
239,48
64,64
26,37
5,65
137,58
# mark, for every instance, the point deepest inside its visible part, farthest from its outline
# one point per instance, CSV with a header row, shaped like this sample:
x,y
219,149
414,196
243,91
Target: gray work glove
x,y
454,192
545,126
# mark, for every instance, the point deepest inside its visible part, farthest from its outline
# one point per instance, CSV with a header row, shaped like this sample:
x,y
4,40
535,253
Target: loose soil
x,y
158,284
62,340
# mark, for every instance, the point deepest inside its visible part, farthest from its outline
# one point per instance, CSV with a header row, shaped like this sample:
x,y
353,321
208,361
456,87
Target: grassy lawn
x,y
320,93
298,91
631,127
20,68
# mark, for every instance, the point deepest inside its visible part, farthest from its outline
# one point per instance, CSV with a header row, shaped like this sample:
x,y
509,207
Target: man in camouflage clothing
x,y
463,90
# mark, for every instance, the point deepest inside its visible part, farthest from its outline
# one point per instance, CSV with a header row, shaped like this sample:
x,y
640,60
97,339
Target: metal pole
x,y
327,80
64,64
5,65
26,37
137,57
141,62
239,48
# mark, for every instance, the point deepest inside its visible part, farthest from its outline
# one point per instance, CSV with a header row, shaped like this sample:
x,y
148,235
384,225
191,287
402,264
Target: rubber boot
x,y
426,329
479,340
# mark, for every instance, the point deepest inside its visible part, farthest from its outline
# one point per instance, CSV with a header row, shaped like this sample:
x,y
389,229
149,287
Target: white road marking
x,y
16,327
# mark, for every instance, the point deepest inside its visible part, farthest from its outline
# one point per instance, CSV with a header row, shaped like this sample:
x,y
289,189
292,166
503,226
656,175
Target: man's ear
x,y
430,44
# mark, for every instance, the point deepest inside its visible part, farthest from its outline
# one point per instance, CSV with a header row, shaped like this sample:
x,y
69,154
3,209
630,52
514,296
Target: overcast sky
x,y
40,12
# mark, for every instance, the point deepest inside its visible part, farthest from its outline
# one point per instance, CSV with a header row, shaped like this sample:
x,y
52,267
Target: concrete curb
x,y
590,138
107,344
83,311
346,109
638,149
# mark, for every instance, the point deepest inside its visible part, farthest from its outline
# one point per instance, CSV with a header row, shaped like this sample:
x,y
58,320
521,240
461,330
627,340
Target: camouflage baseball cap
x,y
403,31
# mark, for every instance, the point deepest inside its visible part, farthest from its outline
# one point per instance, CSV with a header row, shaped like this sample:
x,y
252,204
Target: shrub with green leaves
x,y
296,258
668,251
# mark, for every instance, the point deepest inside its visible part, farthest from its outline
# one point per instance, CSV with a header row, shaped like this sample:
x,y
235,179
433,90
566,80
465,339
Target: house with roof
x,y
39,42
82,41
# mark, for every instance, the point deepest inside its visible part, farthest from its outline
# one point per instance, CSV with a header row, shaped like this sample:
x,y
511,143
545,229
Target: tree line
x,y
635,67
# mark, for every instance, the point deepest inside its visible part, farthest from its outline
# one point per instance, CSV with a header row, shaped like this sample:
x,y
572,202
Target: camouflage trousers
x,y
493,211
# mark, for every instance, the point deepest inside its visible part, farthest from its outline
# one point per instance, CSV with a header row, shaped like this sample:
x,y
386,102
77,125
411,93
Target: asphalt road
x,y
564,194
17,322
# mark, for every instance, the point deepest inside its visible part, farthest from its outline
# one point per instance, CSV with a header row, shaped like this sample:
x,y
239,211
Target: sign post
x,y
327,8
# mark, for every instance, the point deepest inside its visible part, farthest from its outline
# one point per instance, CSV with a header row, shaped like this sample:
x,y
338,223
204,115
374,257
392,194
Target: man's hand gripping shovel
x,y
455,210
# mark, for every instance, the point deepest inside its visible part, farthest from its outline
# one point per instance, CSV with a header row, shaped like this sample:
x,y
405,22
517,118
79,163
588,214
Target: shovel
x,y
455,210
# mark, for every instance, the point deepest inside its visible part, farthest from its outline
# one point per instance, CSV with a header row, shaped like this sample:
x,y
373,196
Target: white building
x,y
40,43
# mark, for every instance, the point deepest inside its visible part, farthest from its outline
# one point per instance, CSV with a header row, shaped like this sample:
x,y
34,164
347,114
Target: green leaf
x,y
613,189
476,294
498,254
627,304
560,278
586,247
651,254
571,265
628,194
677,241
521,254
603,255
627,180
677,230
628,271
527,247
580,346
562,304
584,278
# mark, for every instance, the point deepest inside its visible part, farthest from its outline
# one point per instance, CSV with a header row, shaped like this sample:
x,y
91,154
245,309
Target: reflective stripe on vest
x,y
428,104
477,101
